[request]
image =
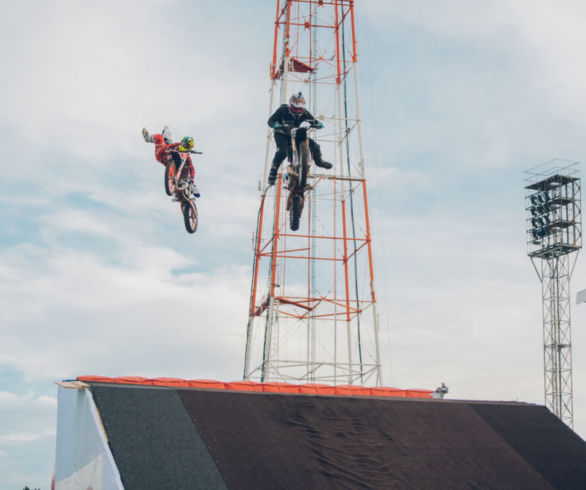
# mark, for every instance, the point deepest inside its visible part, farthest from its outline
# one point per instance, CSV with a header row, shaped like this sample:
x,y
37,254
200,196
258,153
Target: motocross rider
x,y
164,154
292,115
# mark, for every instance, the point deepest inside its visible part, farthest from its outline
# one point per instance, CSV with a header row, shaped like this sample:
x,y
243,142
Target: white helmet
x,y
297,104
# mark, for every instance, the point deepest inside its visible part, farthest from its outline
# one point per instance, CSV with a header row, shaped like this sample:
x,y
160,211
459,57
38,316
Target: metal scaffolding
x,y
554,230
313,313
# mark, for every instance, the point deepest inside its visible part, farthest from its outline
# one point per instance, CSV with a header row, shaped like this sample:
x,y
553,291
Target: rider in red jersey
x,y
164,147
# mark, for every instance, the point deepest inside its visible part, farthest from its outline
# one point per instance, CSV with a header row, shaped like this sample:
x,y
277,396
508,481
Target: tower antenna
x,y
313,312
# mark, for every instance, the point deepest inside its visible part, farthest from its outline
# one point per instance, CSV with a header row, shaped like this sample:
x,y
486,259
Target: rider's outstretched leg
x,y
316,155
147,137
161,153
167,137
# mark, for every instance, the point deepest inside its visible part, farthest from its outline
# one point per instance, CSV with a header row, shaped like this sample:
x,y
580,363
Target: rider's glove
x,y
276,125
319,124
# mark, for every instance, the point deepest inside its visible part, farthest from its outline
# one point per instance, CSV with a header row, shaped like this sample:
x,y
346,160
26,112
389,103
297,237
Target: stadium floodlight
x,y
554,236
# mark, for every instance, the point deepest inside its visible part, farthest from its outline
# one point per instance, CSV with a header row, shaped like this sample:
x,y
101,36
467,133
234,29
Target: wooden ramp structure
x,y
115,435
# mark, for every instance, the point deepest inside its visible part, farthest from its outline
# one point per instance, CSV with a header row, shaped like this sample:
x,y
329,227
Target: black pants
x,y
283,142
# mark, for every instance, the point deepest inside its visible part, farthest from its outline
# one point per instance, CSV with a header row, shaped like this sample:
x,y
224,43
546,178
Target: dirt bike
x,y
179,185
299,159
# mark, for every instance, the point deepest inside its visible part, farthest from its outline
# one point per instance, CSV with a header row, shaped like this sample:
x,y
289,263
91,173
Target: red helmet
x,y
297,103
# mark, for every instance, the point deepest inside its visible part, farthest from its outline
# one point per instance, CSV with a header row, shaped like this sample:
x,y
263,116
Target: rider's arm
x,y
277,117
191,169
307,116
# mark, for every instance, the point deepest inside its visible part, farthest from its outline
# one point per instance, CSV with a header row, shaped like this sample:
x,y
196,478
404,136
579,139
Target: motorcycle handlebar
x,y
308,124
190,151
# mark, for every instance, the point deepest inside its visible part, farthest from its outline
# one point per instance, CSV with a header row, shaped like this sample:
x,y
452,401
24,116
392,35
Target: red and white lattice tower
x,y
313,313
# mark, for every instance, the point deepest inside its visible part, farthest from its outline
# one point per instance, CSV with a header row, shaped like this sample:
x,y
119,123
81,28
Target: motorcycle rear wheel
x,y
169,178
295,211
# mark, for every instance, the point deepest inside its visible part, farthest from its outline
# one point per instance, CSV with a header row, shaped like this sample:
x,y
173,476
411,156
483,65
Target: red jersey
x,y
163,153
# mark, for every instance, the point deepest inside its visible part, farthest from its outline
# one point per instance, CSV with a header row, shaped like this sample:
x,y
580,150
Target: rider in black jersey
x,y
285,117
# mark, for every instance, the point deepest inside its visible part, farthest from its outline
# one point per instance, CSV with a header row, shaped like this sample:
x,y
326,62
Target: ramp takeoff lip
x,y
251,386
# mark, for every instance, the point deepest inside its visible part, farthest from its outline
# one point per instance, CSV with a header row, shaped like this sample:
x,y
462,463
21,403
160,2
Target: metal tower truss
x,y
554,229
313,314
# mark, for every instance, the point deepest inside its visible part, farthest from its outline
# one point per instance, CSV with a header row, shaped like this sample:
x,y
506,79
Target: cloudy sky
x,y
98,276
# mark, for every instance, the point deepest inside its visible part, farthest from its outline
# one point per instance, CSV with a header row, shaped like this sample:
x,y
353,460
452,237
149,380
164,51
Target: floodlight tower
x,y
313,314
554,230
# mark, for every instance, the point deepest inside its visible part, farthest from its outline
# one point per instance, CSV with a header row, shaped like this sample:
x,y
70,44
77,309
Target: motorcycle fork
x,y
293,189
180,195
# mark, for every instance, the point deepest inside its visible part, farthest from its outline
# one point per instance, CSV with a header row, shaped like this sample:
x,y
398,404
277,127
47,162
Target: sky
x,y
98,276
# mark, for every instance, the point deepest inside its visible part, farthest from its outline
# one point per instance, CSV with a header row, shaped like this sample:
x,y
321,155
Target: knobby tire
x,y
190,217
304,165
169,175
296,206
295,211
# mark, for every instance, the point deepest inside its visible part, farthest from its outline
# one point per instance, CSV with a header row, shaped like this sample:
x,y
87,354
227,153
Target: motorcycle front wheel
x,y
169,178
303,165
190,216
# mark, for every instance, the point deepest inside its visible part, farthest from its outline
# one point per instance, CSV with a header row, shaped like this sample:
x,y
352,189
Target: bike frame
x,y
294,160
182,192
182,188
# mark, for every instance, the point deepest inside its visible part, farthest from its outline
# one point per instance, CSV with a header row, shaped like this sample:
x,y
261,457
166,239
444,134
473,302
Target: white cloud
x,y
460,303
24,437
13,400
112,318
398,181
480,87
96,80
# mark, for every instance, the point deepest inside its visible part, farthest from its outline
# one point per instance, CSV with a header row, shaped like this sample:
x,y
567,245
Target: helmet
x,y
297,103
186,144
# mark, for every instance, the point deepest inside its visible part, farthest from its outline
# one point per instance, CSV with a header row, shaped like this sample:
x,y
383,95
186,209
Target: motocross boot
x,y
320,162
273,173
147,137
167,137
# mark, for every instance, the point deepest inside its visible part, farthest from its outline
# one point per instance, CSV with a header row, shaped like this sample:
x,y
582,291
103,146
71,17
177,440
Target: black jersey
x,y
283,115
